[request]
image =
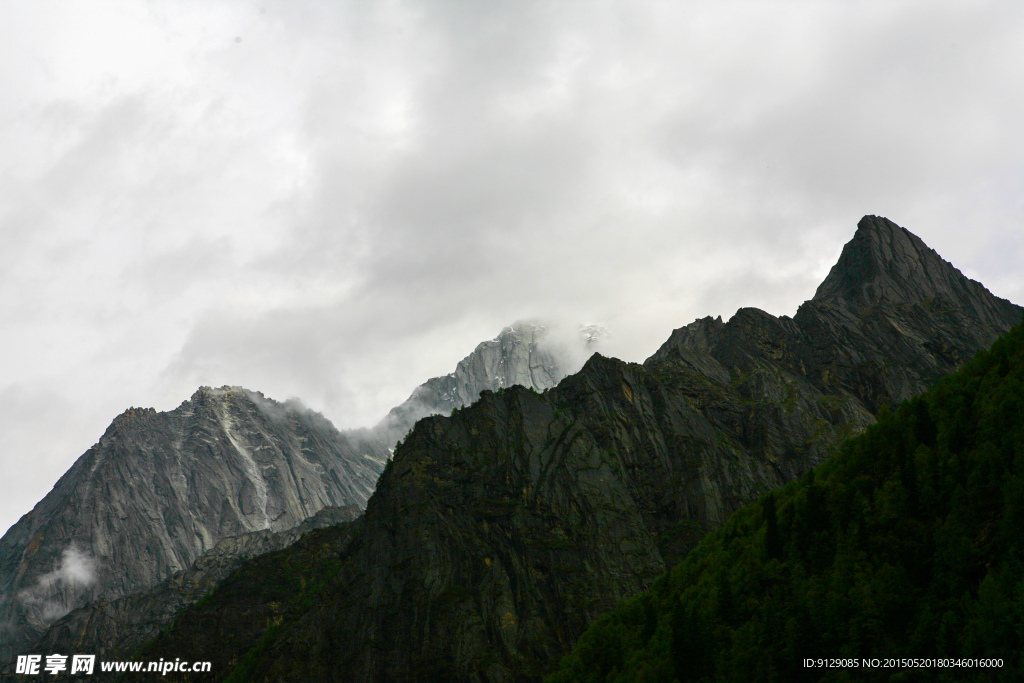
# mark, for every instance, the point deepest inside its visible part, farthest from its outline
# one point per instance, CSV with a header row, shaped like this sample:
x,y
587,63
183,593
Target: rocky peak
x,y
884,262
160,488
887,264
513,357
522,354
700,335
217,399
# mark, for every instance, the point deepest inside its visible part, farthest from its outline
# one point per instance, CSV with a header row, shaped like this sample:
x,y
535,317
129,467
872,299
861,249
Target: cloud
x,y
40,426
343,203
641,170
282,412
571,345
57,592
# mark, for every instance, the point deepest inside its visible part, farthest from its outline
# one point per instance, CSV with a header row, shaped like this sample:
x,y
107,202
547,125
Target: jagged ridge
x,y
497,534
906,542
522,353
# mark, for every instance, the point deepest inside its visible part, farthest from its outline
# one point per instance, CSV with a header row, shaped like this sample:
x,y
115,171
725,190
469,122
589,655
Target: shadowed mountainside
x,y
522,353
905,544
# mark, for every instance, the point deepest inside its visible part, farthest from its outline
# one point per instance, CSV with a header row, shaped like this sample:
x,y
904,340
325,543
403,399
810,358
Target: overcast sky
x,y
337,200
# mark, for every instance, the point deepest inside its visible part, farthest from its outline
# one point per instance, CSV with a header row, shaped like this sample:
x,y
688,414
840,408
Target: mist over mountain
x,y
497,534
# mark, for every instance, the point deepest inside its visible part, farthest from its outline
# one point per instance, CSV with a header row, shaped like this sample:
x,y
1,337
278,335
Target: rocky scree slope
x,y
159,489
498,533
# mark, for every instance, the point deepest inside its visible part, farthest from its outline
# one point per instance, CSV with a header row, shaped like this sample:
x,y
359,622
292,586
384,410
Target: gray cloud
x,y
346,200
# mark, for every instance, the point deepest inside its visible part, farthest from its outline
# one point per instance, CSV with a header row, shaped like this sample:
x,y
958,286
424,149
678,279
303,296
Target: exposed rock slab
x,y
522,354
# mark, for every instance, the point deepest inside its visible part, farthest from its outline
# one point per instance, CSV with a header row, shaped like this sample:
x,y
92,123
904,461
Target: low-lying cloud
x,y
58,592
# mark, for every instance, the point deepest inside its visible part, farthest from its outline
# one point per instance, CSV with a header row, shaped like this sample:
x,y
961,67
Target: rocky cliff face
x,y
498,533
521,354
159,489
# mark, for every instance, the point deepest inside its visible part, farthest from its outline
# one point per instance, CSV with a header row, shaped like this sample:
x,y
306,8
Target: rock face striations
x,y
498,533
521,354
159,489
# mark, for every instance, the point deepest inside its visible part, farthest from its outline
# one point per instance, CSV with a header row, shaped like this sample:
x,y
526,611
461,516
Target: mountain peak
x,y
884,262
161,488
887,264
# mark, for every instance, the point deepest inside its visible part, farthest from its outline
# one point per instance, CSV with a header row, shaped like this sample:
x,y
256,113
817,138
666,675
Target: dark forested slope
x,y
907,544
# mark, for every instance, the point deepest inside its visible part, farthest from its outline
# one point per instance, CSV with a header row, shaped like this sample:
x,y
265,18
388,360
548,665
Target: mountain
x,y
159,489
904,545
498,534
523,353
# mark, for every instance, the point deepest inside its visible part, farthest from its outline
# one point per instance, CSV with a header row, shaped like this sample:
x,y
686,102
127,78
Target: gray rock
x,y
160,489
517,356
887,264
